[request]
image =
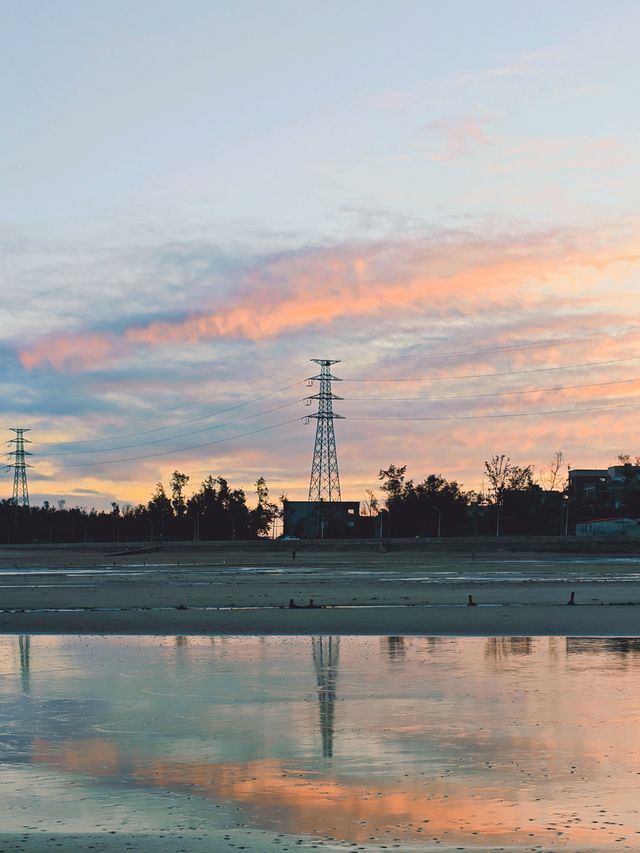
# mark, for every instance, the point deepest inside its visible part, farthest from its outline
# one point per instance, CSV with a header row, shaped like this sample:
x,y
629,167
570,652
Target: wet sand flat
x,y
484,620
247,592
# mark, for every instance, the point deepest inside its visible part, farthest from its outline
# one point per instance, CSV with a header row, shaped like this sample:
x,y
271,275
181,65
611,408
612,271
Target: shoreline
x,y
438,620
402,592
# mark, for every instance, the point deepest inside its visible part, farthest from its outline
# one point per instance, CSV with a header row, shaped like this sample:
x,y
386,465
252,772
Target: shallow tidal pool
x,y
278,743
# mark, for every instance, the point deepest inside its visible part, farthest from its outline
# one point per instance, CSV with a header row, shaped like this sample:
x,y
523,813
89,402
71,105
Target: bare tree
x,y
551,475
370,505
625,459
503,477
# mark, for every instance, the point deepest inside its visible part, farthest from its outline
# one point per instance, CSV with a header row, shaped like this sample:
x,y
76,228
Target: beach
x,y
302,590
243,641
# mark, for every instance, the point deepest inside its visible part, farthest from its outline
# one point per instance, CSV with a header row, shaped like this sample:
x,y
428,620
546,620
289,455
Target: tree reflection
x,y
626,647
500,648
396,650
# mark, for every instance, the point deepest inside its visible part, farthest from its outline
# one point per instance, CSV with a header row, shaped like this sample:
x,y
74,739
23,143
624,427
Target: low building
x,y
623,483
603,493
609,527
322,519
587,485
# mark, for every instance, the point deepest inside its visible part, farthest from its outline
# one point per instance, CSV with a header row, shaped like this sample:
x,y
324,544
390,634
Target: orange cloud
x,y
306,802
321,287
96,756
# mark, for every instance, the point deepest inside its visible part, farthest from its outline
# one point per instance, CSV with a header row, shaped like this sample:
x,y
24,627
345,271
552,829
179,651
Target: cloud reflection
x,y
465,740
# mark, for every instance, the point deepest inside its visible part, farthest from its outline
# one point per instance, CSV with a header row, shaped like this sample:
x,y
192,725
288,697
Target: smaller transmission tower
x,y
20,491
325,479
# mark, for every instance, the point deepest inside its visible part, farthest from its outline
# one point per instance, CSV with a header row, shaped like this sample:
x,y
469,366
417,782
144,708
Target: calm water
x,y
416,743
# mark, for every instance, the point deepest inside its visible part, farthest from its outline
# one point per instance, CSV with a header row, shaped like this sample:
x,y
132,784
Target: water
x,y
284,742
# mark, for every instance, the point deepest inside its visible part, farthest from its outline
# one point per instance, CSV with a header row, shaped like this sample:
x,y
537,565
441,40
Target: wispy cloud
x,y
383,300
316,287
513,69
458,135
396,100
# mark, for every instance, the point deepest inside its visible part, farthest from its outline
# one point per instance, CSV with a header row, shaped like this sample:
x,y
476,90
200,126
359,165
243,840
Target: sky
x,y
197,199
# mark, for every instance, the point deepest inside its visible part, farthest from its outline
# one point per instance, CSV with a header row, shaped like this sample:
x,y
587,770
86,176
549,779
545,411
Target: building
x,y
587,485
532,511
322,519
601,493
623,482
629,527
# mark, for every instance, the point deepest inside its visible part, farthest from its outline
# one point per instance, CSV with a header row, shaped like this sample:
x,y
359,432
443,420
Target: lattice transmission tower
x,y
325,478
20,495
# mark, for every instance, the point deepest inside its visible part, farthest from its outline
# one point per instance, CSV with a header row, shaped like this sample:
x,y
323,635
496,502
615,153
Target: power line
x,y
171,426
494,394
192,405
181,435
184,449
552,342
502,373
294,384
504,415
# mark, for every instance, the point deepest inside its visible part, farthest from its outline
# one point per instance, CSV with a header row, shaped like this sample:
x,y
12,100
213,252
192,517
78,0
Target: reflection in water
x,y
555,647
24,646
499,648
471,743
622,646
325,661
395,648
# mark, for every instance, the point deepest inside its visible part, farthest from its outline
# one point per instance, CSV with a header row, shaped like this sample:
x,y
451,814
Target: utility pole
x,y
437,509
20,497
324,484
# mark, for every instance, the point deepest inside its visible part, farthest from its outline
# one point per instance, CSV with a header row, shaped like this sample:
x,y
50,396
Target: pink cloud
x,y
459,273
514,69
459,135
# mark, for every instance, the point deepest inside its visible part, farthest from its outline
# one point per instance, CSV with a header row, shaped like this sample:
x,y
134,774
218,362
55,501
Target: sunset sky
x,y
199,198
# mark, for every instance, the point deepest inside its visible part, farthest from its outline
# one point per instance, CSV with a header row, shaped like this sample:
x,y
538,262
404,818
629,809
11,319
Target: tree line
x,y
214,511
515,500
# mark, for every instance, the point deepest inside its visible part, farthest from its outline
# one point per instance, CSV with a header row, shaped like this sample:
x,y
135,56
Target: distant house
x,y
322,519
603,493
624,486
587,485
609,527
532,511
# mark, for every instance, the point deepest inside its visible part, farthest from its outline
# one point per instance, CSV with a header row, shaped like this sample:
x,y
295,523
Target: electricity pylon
x,y
325,478
20,495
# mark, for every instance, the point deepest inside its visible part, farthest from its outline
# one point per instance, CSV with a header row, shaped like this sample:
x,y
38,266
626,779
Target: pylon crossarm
x,y
326,416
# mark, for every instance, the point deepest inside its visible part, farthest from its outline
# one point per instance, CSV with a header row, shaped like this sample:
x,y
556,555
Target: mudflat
x,y
247,590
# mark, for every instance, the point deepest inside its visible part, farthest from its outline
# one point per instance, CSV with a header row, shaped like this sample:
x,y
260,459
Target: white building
x,y
609,527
